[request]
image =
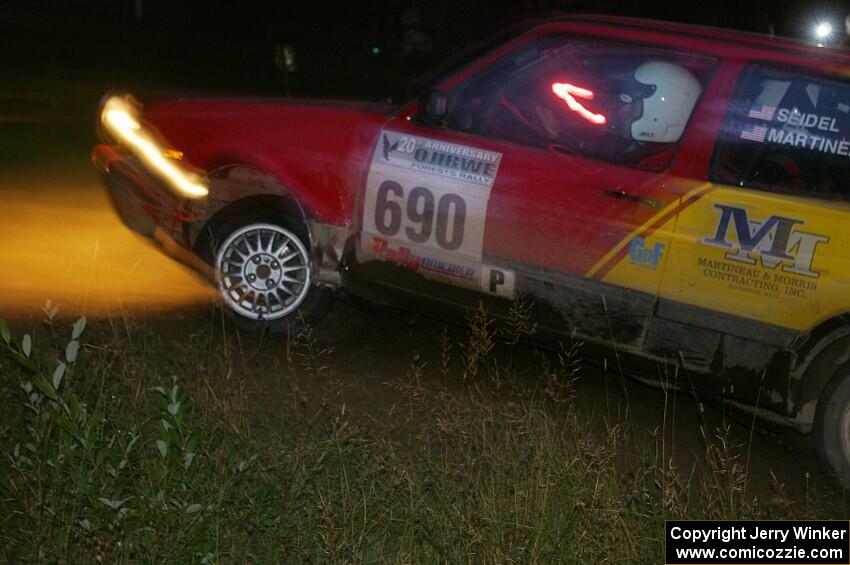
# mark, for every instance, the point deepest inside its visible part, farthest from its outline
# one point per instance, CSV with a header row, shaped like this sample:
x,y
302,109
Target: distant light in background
x,y
120,119
284,57
823,33
376,50
823,30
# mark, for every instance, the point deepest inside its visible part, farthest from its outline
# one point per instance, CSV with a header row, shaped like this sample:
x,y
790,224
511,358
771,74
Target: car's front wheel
x,y
832,426
263,274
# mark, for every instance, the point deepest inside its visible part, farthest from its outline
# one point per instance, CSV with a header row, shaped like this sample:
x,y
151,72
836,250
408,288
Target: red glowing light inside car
x,y
569,92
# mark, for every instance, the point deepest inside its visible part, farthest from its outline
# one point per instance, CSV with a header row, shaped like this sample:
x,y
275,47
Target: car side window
x,y
786,132
618,103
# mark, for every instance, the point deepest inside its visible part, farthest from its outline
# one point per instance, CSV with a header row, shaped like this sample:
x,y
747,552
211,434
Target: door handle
x,y
621,194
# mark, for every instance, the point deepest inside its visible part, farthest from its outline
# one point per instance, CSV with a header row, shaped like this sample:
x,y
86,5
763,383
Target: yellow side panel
x,y
645,260
779,259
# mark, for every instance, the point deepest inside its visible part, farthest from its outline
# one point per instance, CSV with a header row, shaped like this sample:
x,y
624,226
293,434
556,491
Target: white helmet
x,y
667,109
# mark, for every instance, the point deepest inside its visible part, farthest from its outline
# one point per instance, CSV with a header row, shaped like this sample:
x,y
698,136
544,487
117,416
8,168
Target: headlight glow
x,y
121,120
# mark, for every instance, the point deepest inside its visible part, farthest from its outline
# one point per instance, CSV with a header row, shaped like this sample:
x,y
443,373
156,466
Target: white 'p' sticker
x,y
498,281
426,205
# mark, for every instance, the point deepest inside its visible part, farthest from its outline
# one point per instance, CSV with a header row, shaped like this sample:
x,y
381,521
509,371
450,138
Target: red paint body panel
x,y
317,150
321,151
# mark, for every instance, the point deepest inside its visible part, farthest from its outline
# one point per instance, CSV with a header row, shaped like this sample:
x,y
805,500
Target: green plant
x,y
210,467
82,476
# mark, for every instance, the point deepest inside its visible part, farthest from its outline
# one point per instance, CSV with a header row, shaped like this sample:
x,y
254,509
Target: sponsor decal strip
x,y
619,251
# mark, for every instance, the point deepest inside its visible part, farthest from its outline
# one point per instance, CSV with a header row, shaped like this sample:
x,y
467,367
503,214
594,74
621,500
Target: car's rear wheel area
x,y
263,273
832,426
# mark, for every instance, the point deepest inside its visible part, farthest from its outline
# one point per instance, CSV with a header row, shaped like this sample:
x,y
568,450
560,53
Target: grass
x,y
120,445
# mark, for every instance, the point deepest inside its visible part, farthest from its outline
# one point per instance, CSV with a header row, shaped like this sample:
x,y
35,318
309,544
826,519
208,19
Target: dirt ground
x,y
59,240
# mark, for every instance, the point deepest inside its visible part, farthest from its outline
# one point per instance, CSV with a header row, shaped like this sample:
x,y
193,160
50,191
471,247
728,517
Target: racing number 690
x,y
451,215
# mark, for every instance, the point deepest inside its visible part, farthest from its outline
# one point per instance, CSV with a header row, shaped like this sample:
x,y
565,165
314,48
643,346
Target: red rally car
x,y
674,194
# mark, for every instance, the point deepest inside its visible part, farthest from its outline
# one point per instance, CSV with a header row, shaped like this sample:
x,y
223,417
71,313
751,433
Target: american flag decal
x,y
762,112
754,133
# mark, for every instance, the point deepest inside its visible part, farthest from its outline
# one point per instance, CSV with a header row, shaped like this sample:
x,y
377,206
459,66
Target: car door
x,y
554,198
761,257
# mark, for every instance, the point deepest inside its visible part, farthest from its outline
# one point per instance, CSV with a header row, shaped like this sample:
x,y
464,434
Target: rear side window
x,y
786,132
619,103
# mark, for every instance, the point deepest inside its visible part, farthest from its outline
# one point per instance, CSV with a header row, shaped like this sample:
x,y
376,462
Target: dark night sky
x,y
377,17
217,45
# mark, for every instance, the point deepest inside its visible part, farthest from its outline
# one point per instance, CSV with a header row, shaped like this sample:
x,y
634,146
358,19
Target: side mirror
x,y
433,107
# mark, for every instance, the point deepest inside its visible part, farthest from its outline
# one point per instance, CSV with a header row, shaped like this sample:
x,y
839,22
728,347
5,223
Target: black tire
x,y
311,308
832,426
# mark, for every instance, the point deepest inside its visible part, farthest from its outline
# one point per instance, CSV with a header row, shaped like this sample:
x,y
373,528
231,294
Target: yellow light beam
x,y
118,117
